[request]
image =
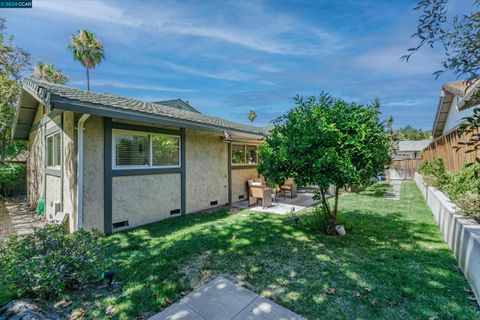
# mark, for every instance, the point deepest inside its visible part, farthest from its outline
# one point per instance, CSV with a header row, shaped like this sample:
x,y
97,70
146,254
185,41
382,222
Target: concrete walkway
x,y
222,299
394,192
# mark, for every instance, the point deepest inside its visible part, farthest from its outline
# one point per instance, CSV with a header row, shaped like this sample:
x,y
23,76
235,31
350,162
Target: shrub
x,y
435,173
470,204
462,187
10,173
51,261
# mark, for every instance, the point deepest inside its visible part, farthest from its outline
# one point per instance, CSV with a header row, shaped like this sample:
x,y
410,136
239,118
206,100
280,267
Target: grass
x,y
392,264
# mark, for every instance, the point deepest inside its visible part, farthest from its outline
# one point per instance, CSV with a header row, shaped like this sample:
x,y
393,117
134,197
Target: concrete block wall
x,y
462,234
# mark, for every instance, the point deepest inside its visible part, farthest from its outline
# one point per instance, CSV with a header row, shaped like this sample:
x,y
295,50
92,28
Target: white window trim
x,y
245,155
52,135
116,132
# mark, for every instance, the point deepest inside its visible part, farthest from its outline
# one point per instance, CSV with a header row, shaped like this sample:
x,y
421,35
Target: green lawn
x,y
392,264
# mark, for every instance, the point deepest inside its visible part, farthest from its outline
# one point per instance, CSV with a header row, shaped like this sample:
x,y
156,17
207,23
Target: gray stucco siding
x,y
93,162
239,182
145,199
206,170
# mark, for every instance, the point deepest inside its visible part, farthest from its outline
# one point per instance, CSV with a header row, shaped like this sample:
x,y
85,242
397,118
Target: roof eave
x,y
65,104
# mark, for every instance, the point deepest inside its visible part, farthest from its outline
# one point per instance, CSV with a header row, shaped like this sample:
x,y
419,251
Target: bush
x,y
463,187
51,261
435,173
10,174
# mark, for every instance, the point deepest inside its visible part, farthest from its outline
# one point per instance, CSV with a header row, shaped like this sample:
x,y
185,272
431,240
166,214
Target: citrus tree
x,y
325,141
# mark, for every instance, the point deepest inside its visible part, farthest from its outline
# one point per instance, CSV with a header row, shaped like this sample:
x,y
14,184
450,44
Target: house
x,y
455,103
410,149
109,163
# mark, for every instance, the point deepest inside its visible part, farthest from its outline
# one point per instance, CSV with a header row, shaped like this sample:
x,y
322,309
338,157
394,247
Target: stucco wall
x,y
239,182
93,158
53,195
206,170
36,161
68,169
145,199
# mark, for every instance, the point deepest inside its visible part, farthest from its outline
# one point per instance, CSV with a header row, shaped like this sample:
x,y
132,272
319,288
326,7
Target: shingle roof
x,y
51,93
179,104
413,145
458,88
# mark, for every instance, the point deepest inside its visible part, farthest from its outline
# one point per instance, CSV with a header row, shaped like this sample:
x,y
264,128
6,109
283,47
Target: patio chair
x,y
256,192
290,186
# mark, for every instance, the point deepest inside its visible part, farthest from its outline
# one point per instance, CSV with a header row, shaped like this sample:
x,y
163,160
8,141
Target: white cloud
x,y
228,75
262,31
386,61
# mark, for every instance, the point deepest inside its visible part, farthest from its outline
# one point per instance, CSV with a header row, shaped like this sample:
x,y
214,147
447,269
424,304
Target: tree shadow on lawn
x,y
386,266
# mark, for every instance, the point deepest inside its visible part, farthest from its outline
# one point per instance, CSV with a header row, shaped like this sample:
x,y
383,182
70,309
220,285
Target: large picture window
x,y
243,154
134,149
54,151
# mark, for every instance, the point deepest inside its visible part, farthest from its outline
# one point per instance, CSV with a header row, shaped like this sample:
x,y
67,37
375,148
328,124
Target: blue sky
x,y
227,58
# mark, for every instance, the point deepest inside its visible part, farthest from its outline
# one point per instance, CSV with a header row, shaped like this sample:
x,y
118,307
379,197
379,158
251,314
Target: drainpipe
x,y
80,129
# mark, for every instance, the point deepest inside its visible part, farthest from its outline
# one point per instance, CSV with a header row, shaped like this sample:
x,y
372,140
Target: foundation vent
x,y
174,212
214,203
241,197
121,224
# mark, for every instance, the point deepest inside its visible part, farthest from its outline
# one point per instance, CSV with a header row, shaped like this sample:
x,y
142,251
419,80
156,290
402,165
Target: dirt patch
x,y
17,217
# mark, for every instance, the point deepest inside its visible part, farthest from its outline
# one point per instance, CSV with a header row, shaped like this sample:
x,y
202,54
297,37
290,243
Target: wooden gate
x,y
403,169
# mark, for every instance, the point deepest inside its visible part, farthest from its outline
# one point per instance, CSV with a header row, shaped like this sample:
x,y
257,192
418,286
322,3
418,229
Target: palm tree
x,y
47,72
252,115
87,50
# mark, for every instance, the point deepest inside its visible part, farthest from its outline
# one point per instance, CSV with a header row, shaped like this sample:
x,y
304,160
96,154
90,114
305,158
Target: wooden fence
x,y
443,148
403,169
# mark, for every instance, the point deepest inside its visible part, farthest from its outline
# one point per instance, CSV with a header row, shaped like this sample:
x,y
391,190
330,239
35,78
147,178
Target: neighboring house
x,y
451,110
110,163
410,149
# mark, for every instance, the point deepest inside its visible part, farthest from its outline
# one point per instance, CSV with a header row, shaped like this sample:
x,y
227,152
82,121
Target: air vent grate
x,y
120,224
241,196
214,203
174,212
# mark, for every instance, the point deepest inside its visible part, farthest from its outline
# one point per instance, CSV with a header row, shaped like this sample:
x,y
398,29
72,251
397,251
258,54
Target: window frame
x,y
244,163
52,136
116,132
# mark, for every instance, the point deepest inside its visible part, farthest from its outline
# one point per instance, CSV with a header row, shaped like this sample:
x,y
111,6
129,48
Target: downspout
x,y
80,129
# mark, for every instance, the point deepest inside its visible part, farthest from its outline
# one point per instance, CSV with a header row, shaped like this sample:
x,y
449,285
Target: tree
x,y
88,50
410,133
13,63
47,72
458,35
252,115
325,142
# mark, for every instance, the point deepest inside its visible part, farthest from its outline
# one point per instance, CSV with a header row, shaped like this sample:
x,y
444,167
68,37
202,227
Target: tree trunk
x,y
331,216
88,79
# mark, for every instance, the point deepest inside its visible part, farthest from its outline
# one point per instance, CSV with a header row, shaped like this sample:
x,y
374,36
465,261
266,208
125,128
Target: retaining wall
x,y
462,234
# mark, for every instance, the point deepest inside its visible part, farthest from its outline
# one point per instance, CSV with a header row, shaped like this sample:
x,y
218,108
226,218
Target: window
x,y
243,154
165,150
134,149
238,154
54,151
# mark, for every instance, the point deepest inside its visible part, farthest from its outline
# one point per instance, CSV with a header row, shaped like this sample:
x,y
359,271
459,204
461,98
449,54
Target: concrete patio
x,y
222,299
304,199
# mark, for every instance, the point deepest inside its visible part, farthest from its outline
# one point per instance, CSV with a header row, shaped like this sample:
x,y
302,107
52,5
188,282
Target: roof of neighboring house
x,y
419,145
63,98
450,90
458,88
179,104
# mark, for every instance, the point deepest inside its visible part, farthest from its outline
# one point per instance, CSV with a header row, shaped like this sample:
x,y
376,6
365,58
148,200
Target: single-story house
x,y
410,149
457,101
109,163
